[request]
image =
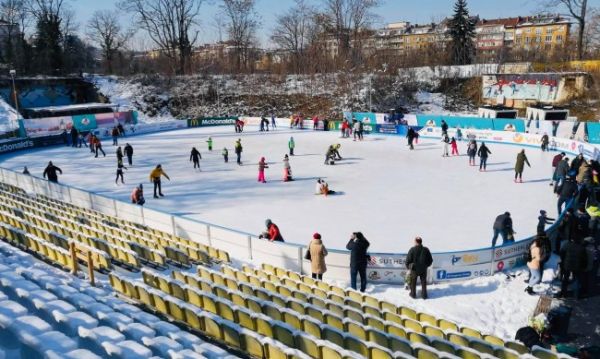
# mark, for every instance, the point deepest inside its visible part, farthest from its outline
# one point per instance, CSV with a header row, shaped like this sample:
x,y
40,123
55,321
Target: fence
x,y
383,267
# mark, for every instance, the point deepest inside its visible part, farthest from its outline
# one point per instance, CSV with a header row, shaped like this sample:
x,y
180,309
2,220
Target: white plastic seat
x,y
26,328
187,354
74,354
162,346
137,331
92,339
97,309
81,300
12,288
37,346
70,323
9,311
145,318
126,350
114,320
48,309
163,328
31,300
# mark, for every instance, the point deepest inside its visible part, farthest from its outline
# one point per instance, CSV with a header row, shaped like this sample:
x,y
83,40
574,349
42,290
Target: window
x,y
538,39
548,38
558,39
538,31
527,40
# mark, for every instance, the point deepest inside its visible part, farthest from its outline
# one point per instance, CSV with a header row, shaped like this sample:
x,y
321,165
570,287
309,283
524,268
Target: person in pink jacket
x,y
261,170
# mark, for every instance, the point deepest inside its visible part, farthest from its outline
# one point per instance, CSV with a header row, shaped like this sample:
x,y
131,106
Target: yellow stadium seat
x,y
433,331
426,318
212,328
307,345
442,345
378,337
516,346
413,325
283,334
225,310
312,327
356,345
407,312
356,329
334,321
244,319
231,336
291,319
494,340
263,326
396,330
471,332
418,338
334,336
252,345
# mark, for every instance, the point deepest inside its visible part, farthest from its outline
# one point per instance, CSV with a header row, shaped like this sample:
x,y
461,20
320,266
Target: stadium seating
x,y
266,312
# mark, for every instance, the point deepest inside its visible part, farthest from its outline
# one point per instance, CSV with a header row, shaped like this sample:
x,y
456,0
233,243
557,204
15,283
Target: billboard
x,y
540,87
211,121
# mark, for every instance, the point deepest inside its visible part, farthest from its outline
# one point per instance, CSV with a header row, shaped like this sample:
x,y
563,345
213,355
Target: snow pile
x,y
8,117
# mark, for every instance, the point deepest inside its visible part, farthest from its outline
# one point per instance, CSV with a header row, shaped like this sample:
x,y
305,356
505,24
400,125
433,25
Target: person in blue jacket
x,y
358,246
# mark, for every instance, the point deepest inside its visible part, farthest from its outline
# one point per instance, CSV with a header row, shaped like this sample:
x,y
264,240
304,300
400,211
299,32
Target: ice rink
x,y
389,193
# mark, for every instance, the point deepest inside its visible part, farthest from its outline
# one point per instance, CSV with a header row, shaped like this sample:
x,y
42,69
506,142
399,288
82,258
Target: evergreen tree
x,y
48,50
462,33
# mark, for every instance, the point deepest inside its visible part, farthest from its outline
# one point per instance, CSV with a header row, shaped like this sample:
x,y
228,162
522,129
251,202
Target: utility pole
x,y
12,75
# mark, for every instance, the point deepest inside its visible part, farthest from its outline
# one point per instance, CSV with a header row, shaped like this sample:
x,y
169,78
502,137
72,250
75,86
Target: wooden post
x,y
73,251
90,263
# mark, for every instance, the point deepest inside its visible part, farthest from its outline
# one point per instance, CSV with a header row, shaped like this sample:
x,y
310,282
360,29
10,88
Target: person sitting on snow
x,y
272,233
322,187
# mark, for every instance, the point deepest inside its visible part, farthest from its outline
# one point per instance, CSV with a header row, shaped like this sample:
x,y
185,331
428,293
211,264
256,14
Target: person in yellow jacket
x,y
155,178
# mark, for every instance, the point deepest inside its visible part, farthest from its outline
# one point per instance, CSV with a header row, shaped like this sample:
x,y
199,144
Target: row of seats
x,y
47,314
130,244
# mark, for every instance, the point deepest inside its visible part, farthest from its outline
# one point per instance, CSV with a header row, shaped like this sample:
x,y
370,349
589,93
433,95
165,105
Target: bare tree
x,y
576,9
170,24
294,31
14,12
347,19
104,29
242,23
592,33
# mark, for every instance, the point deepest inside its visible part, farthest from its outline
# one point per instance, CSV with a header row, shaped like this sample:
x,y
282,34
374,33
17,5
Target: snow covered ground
x,y
389,193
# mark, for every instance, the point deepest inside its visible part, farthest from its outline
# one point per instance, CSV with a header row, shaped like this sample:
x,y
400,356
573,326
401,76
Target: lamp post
x,y
13,73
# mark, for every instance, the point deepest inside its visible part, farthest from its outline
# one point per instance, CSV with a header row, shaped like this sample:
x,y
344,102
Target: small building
x,y
547,113
497,111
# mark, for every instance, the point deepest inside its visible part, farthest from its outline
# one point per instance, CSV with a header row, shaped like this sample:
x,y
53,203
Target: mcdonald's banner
x,y
211,121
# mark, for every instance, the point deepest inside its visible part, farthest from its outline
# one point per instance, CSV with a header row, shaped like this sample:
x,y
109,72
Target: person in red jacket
x,y
272,233
555,161
454,147
261,170
315,122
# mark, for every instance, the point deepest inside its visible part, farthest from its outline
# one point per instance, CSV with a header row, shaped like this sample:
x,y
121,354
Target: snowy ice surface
x,y
389,193
8,116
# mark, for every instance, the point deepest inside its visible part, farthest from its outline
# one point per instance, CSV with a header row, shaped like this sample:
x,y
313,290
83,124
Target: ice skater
x,y
459,135
129,154
155,176
472,152
483,154
115,136
262,164
454,146
446,141
50,172
411,135
291,145
195,157
545,142
238,151
120,167
520,166
273,123
119,153
543,220
287,169
137,195
91,139
210,143
98,146
225,154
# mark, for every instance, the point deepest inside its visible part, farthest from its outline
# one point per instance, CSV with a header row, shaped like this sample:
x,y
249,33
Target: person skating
x,y
291,145
534,265
418,260
74,136
129,154
51,172
315,122
98,146
115,136
503,226
520,166
562,170
287,169
238,151
262,164
81,140
121,130
358,246
195,157
273,233
543,220
210,143
26,171
356,129
483,154
545,142
446,142
273,123
411,135
361,130
225,154
92,140
137,195
555,162
317,253
345,127
119,153
472,152
120,167
155,177
444,128
459,134
454,146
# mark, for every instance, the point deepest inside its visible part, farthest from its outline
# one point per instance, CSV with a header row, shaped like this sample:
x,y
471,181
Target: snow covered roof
x,y
81,106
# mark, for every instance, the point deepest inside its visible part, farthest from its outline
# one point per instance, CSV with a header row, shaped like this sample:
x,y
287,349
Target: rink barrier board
x,y
383,268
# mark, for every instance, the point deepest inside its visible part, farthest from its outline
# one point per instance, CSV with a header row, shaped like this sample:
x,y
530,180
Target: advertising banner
x,y
112,119
84,122
541,87
211,121
15,145
365,117
47,126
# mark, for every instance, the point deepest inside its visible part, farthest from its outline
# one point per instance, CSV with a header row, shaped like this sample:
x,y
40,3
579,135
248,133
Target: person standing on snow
x,y
129,153
543,219
262,164
137,195
120,167
225,154
545,142
115,136
574,258
119,153
358,246
195,157
291,145
238,151
272,234
459,135
503,226
567,191
98,146
273,123
26,171
418,260
155,176
92,141
472,152
483,154
411,135
555,162
50,172
520,166
210,143
287,169
74,136
316,253
444,128
454,146
356,129
446,141
534,265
